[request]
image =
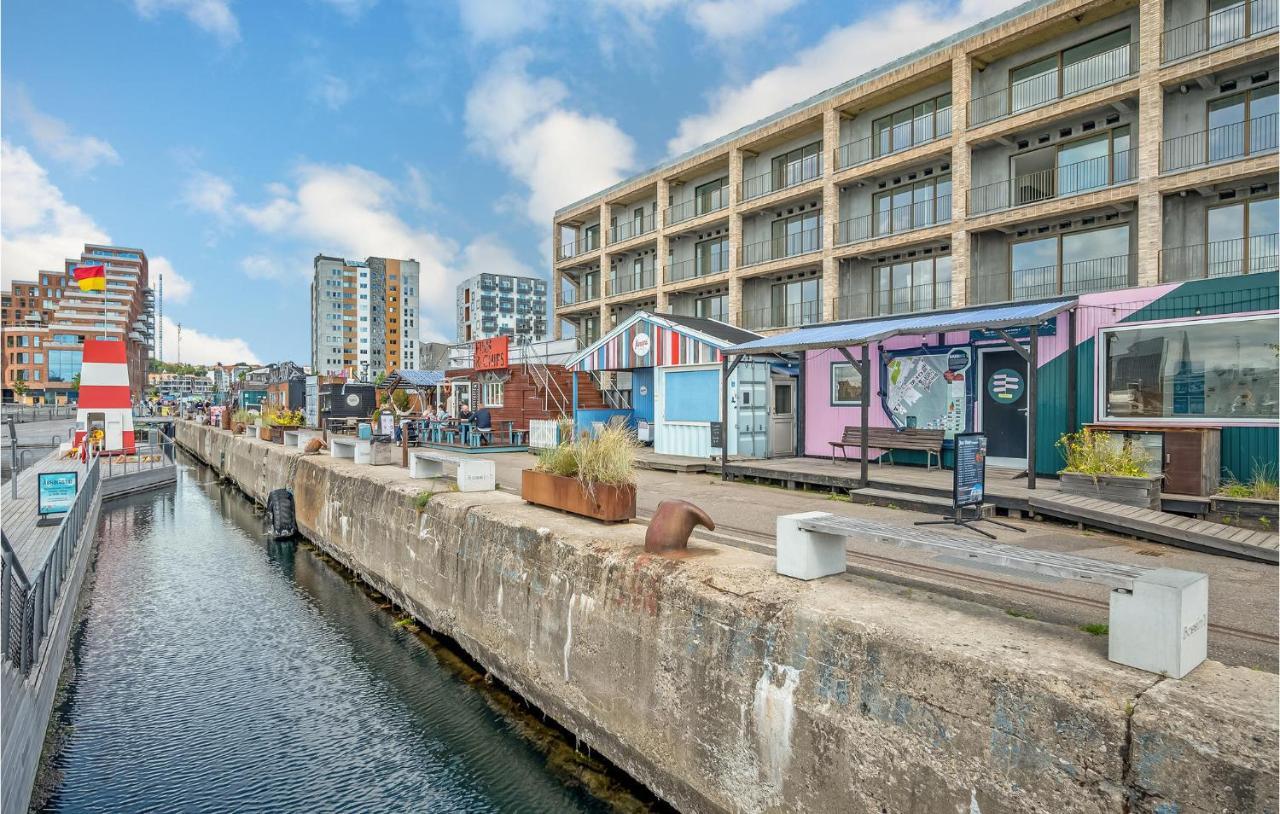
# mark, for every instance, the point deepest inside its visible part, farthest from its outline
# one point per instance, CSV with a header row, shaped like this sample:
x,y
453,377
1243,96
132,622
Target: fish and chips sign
x,y
491,354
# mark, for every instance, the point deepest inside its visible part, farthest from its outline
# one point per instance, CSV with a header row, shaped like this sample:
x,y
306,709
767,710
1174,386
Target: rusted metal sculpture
x,y
672,524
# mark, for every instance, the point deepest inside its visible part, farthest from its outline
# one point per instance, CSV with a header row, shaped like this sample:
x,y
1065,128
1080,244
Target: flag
x,y
91,278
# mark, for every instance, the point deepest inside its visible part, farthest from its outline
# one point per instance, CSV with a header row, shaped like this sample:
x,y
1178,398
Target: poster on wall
x,y
929,389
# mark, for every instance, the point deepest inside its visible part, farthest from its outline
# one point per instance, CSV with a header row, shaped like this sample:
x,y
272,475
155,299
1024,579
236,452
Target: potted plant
x,y
1106,467
1254,503
589,476
276,422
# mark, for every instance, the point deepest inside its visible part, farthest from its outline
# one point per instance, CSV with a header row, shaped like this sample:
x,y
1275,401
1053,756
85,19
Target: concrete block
x,y
291,438
1162,626
808,554
363,453
473,474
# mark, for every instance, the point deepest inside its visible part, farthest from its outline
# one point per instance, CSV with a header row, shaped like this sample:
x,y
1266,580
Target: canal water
x,y
215,670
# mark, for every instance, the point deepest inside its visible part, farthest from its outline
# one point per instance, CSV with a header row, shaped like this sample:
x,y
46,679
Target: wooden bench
x,y
357,450
1159,617
472,474
890,438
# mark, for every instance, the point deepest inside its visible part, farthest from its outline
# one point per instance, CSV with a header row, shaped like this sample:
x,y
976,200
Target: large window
x,y
1243,123
797,234
711,256
801,164
1241,238
798,302
919,285
1070,263
1221,369
64,365
714,307
912,206
923,122
1078,68
491,393
711,196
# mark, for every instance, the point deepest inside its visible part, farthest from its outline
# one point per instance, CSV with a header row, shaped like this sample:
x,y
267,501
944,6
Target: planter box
x,y
1131,491
275,433
1249,512
611,504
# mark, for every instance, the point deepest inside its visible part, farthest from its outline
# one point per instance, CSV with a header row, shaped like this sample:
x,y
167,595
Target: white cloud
x,y
559,154
54,138
488,254
726,20
266,267
206,192
212,16
199,348
177,289
331,91
883,36
40,228
497,20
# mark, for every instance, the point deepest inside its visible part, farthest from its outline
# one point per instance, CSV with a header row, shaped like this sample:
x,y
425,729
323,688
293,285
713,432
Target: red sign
x,y
491,354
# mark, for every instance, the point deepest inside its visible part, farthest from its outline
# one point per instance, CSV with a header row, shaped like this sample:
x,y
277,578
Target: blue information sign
x,y
56,491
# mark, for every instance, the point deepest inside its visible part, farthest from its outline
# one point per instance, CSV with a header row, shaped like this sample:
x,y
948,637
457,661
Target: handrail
x,y
1055,182
1221,258
860,151
1221,27
1069,279
919,215
1037,91
696,207
806,169
576,247
778,248
1224,143
627,229
794,315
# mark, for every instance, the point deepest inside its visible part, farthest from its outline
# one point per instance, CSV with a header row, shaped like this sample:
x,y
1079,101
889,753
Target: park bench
x,y
358,450
472,474
1159,617
889,439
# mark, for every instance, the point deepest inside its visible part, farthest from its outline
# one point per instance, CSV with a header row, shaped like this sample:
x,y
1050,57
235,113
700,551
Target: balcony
x,y
572,296
902,137
693,268
899,220
1222,27
1066,279
782,247
903,300
1059,83
1223,258
793,315
631,282
792,175
578,247
632,228
699,206
1055,182
1226,143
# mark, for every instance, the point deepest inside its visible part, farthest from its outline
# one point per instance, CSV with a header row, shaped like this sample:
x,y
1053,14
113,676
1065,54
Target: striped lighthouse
x,y
106,401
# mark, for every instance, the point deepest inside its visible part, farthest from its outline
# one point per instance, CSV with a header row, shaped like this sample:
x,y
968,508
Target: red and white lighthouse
x,y
106,402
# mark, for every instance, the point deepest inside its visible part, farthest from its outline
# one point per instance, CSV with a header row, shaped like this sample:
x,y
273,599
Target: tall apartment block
x,y
502,305
45,323
1063,148
364,316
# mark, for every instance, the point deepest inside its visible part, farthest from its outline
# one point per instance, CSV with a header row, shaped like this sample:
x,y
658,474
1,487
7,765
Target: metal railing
x,y
146,457
1226,143
635,227
1055,182
631,281
795,315
698,206
576,247
1222,258
909,218
778,248
691,268
791,175
1036,91
903,137
25,413
29,601
1222,27
573,296
1067,279
902,300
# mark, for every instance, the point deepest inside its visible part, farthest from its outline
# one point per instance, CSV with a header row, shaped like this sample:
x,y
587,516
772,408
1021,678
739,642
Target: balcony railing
x,y
778,248
794,315
895,221
1222,27
691,268
1056,182
1226,143
1067,279
631,281
791,175
700,205
631,228
1036,91
577,247
904,137
571,296
1223,258
904,300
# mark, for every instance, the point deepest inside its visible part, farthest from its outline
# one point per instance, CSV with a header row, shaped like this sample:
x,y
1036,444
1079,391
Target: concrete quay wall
x,y
725,687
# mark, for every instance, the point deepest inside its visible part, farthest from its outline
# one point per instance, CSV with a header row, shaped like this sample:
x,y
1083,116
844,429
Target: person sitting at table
x,y
465,417
484,425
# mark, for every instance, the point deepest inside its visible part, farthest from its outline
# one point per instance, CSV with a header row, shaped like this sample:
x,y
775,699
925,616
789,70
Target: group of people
x,y
480,421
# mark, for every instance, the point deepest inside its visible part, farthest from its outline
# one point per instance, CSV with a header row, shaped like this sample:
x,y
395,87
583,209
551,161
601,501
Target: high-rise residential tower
x,y
502,305
364,316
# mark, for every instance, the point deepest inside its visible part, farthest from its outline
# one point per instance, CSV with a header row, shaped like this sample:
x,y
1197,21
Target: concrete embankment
x,y
724,687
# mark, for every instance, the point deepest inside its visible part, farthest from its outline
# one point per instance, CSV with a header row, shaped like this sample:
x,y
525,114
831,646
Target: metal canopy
x,y
849,334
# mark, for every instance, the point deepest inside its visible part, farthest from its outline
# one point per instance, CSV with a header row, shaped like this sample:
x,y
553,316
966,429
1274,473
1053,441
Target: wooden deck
x,y
31,543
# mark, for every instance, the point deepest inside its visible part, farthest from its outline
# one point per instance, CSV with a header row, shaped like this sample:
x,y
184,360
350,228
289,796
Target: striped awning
x,y
648,340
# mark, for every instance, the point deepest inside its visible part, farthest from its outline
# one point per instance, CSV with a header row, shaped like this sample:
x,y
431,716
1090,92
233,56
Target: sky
x,y
233,140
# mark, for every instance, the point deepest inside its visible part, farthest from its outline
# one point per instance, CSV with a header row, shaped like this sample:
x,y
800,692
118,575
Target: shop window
x,y
1220,369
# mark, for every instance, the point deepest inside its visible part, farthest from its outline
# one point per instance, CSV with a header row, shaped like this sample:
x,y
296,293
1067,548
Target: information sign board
x,y
970,472
55,493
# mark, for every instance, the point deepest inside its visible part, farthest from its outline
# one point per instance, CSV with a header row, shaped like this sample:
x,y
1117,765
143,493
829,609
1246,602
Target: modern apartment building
x,y
502,305
364,316
1066,147
54,317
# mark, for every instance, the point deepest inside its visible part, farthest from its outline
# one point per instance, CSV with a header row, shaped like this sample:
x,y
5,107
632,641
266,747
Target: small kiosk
x,y
106,401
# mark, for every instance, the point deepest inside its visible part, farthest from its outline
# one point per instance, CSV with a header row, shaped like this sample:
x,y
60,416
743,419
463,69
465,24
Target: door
x,y
114,433
1004,406
752,410
782,418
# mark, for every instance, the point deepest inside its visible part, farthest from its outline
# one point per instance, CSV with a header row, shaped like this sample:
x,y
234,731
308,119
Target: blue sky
x,y
234,140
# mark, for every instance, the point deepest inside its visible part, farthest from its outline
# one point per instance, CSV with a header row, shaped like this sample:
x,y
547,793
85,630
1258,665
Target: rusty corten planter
x,y
612,504
275,432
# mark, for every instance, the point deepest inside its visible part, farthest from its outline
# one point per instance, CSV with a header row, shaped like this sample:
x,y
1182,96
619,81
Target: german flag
x,y
91,278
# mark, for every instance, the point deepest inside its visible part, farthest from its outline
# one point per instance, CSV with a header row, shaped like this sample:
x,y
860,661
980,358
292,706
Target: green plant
x,y
1019,614
1096,628
1262,485
420,502
1098,453
400,399
242,416
19,388
607,458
